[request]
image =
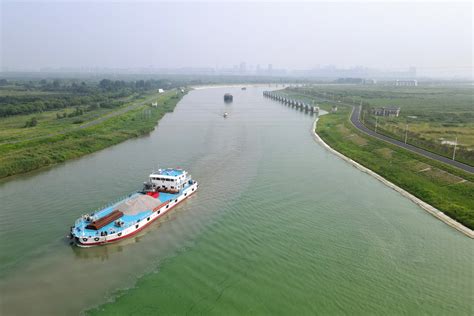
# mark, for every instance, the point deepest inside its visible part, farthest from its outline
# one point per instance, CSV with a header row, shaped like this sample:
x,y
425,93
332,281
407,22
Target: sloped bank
x,y
427,207
113,128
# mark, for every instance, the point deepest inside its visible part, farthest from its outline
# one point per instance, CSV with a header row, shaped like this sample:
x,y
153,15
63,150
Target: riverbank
x,y
430,117
55,143
426,206
245,233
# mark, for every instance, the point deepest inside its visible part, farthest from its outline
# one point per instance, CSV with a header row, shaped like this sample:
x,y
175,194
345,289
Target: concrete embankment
x,y
427,207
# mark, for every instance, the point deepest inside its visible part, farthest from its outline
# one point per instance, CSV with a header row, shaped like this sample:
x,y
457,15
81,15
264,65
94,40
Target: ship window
x,y
167,206
158,212
136,226
176,200
148,219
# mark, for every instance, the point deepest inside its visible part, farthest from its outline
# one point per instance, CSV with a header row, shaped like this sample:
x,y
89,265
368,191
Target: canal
x,y
278,226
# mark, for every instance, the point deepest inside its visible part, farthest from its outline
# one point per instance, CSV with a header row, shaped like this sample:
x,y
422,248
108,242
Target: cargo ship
x,y
164,189
228,97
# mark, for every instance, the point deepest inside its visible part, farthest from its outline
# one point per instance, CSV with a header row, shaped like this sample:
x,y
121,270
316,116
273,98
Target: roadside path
x,y
427,207
355,120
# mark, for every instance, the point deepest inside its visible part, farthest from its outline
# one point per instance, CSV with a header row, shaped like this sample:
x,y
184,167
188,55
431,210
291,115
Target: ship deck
x,y
135,207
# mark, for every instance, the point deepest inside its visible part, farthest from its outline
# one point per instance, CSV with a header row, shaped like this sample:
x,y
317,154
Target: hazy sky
x,y
436,36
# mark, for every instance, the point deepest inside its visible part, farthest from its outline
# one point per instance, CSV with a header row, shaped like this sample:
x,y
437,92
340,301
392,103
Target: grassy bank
x,y
431,117
446,188
53,141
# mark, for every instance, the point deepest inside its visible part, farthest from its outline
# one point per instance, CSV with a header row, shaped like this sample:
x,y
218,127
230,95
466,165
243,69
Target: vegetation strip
x,y
137,119
427,207
436,118
355,120
443,187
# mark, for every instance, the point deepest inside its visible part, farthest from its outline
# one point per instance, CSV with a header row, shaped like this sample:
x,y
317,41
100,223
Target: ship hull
x,y
164,208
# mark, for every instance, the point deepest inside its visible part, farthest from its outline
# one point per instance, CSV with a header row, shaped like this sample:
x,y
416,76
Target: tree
x,y
105,84
32,122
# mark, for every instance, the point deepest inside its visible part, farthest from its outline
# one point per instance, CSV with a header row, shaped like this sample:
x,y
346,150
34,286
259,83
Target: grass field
x,y
431,116
55,140
12,128
446,188
15,91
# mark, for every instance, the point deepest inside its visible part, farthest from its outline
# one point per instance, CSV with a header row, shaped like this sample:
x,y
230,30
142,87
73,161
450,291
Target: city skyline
x,y
434,37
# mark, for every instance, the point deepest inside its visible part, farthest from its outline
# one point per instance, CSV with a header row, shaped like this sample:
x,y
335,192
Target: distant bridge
x,y
292,102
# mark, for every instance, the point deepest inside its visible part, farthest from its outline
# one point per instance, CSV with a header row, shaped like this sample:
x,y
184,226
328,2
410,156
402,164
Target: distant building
x,y
386,111
161,90
349,80
412,72
334,109
370,81
243,68
406,83
154,104
270,69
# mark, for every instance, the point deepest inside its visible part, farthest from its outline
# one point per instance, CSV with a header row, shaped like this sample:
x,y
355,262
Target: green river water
x,y
278,226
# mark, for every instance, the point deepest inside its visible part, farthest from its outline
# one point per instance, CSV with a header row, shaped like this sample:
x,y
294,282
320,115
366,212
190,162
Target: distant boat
x,y
228,97
225,114
244,88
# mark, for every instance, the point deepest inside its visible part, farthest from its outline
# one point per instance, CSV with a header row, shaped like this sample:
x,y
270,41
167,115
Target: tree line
x,y
65,93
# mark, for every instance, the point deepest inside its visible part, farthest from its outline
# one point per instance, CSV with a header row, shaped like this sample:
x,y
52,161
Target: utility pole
x,y
406,133
455,145
376,123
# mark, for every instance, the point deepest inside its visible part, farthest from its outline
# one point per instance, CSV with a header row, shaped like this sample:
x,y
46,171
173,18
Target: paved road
x,y
356,122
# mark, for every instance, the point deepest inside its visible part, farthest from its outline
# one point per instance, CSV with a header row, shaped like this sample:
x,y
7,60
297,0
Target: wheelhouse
x,y
167,180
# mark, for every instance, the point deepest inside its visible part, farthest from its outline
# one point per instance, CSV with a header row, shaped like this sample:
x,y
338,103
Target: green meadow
x,y
55,139
446,188
431,117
